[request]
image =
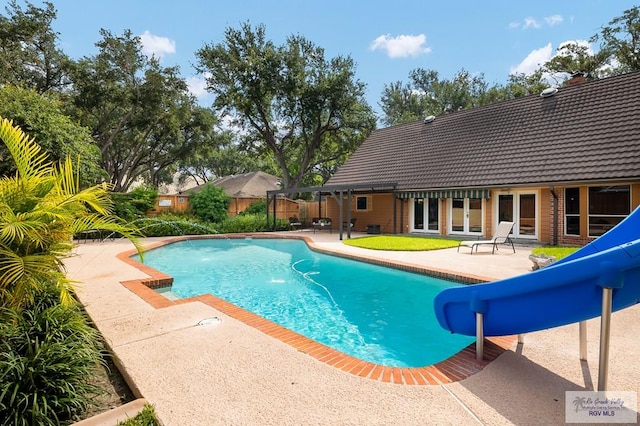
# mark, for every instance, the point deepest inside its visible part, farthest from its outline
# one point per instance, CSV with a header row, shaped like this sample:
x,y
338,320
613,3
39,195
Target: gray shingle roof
x,y
247,185
585,132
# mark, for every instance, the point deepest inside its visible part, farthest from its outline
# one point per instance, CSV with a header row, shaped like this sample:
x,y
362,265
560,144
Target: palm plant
x,y
41,208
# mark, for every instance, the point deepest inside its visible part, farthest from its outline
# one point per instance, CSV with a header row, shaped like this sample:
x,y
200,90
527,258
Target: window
x,y
572,211
363,203
608,205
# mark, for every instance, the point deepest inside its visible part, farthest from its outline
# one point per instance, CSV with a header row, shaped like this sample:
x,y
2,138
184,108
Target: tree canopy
x,y
291,101
292,110
42,118
29,55
141,115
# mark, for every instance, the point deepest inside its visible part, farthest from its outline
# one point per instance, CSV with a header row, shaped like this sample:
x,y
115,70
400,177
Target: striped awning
x,y
450,193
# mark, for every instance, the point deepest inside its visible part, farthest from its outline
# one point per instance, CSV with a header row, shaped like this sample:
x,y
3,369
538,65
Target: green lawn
x,y
556,251
412,243
401,243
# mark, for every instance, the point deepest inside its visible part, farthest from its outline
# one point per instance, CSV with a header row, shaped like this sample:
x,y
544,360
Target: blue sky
x,y
386,39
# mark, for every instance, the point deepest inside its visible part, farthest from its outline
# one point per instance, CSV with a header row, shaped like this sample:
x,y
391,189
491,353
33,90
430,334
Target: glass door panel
x,y
457,215
505,208
434,216
475,215
418,213
527,214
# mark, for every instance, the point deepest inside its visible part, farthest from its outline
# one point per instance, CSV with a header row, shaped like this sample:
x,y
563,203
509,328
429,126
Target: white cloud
x,y
530,22
533,61
553,20
402,45
153,45
197,86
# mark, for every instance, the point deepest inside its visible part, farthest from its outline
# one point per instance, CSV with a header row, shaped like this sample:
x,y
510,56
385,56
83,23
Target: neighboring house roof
x,y
247,185
178,185
585,132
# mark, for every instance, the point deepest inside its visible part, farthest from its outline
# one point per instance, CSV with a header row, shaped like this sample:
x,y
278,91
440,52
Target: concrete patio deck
x,y
231,373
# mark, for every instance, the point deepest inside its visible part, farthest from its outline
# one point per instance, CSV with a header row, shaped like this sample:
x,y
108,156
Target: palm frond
x,y
30,159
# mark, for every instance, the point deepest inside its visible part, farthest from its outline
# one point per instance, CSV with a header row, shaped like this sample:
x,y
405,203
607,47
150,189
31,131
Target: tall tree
x,y
28,48
290,100
223,155
621,40
401,104
577,57
40,116
141,115
428,94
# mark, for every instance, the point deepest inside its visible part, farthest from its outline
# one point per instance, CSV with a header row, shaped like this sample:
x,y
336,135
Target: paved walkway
x,y
230,373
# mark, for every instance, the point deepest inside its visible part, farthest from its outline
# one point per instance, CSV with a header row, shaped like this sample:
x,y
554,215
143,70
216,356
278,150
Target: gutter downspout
x,y
555,215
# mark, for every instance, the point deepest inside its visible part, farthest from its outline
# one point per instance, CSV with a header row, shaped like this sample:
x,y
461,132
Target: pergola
x,y
338,193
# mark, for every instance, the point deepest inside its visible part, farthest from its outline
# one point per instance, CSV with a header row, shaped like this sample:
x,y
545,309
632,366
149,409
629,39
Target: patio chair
x,y
351,224
501,236
294,223
321,223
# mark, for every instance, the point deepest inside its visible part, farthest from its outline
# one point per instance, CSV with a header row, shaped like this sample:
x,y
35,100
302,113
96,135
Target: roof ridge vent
x,y
548,92
429,118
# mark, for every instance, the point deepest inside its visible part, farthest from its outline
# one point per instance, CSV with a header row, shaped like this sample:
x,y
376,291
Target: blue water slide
x,y
562,293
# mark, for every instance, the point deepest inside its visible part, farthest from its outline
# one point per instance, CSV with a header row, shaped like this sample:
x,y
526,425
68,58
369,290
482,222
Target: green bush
x,y
210,204
259,207
170,225
48,352
249,223
135,204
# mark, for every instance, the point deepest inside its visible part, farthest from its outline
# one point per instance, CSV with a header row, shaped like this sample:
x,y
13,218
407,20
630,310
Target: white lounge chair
x,y
501,236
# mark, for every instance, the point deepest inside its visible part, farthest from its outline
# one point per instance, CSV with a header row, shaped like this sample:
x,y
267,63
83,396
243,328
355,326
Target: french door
x,y
520,207
426,215
466,216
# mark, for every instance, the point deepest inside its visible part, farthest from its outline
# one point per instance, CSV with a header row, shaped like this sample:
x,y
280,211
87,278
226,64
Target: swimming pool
x,y
377,314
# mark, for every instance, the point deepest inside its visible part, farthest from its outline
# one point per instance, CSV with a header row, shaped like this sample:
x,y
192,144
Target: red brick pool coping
x,y
458,367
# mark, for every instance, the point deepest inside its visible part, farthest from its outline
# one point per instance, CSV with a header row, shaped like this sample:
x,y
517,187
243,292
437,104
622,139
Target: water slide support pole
x,y
583,340
605,332
479,336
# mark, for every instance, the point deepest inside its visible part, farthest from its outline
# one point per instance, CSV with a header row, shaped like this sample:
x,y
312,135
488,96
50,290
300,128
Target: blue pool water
x,y
373,313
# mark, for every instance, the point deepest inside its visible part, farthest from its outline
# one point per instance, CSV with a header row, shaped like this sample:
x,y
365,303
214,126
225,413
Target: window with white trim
x,y
363,203
572,211
608,206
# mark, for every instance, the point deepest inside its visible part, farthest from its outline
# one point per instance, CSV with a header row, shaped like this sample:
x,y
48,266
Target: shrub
x,y
134,204
259,207
249,223
41,208
168,225
210,204
48,352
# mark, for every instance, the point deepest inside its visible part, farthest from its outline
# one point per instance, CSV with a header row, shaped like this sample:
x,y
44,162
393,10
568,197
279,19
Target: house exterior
x,y
563,165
